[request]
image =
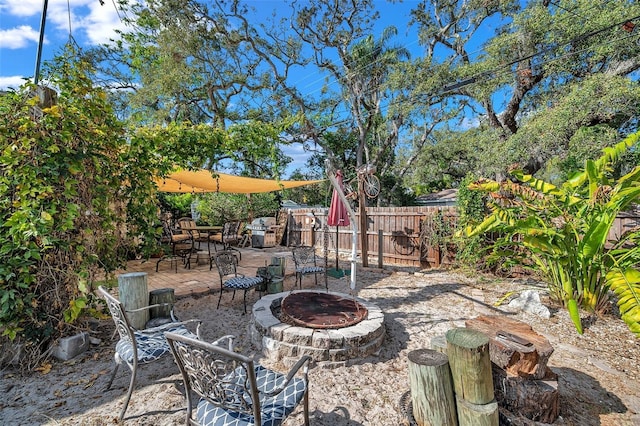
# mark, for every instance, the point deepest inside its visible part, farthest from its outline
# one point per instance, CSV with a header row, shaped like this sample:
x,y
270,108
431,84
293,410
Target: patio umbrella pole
x,y
352,217
337,247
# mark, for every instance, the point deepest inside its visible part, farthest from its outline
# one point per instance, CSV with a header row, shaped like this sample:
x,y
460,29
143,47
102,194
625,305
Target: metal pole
x,y
352,218
43,21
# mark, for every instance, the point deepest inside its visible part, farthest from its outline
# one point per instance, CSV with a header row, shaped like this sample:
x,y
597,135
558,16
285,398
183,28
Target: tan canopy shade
x,y
203,181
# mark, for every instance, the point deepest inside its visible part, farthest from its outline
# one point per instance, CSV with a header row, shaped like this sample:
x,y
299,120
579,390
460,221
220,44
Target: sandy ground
x,y
599,377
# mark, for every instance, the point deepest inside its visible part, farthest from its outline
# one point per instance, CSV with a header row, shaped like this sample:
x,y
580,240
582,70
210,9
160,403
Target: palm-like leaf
x,y
626,285
565,231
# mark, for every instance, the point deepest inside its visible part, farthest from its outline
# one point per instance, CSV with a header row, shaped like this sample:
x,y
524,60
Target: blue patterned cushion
x,y
242,282
151,346
310,270
274,409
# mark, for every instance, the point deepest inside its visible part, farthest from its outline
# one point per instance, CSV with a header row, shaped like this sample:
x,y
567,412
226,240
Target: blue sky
x,y
91,23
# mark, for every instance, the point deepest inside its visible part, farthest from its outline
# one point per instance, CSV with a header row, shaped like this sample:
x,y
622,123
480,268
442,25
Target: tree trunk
x,y
364,243
537,400
514,346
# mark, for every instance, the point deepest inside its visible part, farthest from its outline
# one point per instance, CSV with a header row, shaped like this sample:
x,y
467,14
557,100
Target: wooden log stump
x,y
468,352
514,346
279,264
439,343
431,388
161,296
477,414
133,294
537,400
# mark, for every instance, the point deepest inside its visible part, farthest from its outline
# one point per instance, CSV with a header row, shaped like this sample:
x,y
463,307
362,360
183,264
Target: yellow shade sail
x,y
202,181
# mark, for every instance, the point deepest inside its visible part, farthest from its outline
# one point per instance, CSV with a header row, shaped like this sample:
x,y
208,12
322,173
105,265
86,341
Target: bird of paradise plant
x,y
562,232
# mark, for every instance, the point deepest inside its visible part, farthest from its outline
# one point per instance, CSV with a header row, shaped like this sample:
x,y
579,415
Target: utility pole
x,y
43,20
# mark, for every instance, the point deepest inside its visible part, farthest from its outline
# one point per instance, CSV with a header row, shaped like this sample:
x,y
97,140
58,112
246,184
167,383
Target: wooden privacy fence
x,y
395,235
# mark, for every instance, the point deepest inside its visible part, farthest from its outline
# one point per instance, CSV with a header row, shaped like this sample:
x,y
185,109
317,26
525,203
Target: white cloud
x,y
298,154
21,8
13,82
19,37
79,18
101,22
469,123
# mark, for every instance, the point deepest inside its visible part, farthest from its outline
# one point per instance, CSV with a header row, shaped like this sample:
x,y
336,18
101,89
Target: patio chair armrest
x,y
154,330
302,363
144,308
228,337
157,305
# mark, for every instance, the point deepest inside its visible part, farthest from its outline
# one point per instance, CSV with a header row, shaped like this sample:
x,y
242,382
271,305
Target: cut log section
x,y
537,400
514,346
164,297
468,352
431,388
477,414
133,294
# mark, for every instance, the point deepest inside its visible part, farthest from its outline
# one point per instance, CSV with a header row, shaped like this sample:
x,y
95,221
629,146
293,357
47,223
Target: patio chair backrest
x,y
123,327
304,256
231,232
187,226
226,261
224,378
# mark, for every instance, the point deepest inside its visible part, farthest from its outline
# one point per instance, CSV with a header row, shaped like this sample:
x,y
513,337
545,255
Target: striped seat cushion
x,y
242,282
310,269
274,409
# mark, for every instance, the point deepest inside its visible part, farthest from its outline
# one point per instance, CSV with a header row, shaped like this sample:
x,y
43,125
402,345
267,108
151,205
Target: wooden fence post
x,y
431,388
380,248
133,294
470,363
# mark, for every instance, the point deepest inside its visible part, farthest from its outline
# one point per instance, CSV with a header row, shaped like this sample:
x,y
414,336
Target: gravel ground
x,y
599,377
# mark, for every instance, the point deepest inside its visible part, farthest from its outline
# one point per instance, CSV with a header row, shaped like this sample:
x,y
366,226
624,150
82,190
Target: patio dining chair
x,y
233,389
230,279
188,226
137,347
178,246
304,258
230,234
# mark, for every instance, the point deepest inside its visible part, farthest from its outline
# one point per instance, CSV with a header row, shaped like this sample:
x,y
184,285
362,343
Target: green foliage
x,y
218,208
563,232
437,231
470,204
179,205
471,211
585,118
74,193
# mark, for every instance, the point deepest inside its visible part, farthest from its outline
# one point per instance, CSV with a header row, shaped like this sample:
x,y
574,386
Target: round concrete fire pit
x,y
285,340
321,310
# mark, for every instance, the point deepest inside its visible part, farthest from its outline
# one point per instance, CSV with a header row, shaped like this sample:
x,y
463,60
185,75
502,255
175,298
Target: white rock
x,y
529,301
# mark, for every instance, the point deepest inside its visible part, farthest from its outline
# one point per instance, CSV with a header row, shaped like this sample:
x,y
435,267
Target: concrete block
x,y
70,347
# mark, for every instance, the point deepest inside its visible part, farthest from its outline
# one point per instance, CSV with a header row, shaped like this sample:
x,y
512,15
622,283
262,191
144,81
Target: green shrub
x,y
562,232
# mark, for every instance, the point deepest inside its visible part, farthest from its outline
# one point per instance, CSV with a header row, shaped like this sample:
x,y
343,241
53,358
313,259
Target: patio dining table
x,y
201,231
